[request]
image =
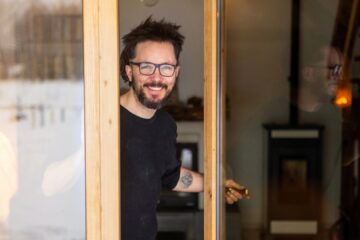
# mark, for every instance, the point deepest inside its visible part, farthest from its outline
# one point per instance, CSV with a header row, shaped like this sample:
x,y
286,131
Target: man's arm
x,y
189,181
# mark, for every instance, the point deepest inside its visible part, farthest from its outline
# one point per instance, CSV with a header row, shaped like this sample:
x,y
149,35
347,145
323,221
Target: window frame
x,y
102,118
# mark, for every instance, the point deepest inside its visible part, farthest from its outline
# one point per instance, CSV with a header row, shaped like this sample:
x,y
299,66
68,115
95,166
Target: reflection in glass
x,y
259,71
41,120
293,180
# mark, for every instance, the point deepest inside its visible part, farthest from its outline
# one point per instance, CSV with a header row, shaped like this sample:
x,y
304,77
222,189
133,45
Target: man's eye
x,y
146,66
166,67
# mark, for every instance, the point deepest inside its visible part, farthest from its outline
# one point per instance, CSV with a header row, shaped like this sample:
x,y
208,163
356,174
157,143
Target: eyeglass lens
x,y
335,69
166,70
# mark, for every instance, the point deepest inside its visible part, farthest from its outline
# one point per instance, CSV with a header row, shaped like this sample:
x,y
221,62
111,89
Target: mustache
x,y
156,84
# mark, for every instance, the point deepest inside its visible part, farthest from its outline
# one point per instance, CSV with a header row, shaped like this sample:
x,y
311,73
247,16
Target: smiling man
x,y
152,82
150,65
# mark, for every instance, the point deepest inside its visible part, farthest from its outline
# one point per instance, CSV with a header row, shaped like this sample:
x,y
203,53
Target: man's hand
x,y
235,191
191,181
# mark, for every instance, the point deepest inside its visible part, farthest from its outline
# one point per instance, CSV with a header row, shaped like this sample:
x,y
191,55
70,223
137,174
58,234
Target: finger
x,y
232,192
229,200
232,183
240,193
236,185
235,196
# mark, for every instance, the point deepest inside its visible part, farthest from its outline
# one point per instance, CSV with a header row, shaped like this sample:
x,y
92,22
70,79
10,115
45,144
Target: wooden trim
x,y
210,149
101,64
223,115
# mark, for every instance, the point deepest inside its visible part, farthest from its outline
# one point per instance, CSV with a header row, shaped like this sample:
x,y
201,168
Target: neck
x,y
131,102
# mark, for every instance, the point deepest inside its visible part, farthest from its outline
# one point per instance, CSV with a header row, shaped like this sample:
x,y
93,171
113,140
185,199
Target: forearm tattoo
x,y
187,179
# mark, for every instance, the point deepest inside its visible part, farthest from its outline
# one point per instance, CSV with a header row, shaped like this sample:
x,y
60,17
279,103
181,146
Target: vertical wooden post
x,y
101,69
223,109
210,119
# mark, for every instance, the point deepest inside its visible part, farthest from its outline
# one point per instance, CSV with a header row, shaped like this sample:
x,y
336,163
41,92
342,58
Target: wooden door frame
x,y
102,117
102,134
212,150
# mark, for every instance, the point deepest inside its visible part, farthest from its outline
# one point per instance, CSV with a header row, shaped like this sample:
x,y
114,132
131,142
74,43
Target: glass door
x,y
293,125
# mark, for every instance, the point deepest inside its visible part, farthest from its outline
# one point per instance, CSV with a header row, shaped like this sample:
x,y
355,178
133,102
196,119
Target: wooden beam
x,y
101,70
210,117
223,82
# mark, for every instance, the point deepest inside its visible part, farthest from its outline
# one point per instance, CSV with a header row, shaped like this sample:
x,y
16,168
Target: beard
x,y
148,102
331,87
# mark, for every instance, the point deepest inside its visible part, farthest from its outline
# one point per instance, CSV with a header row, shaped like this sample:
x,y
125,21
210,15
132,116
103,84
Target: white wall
x,y
188,14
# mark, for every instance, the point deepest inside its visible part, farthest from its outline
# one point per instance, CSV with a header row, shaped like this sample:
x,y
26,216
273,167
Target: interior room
x,y
291,135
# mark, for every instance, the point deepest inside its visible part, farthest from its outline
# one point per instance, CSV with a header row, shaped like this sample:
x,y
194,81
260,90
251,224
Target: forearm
x,y
189,181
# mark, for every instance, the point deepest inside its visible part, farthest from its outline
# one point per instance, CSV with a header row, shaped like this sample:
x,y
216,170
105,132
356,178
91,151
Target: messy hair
x,y
149,30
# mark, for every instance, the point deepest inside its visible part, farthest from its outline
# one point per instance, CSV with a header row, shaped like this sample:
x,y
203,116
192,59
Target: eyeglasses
x,y
335,70
147,68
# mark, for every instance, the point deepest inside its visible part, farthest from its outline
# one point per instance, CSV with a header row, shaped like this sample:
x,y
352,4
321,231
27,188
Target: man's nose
x,y
335,76
157,75
332,76
336,71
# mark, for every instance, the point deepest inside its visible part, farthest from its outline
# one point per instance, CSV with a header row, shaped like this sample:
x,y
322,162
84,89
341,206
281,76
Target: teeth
x,y
155,88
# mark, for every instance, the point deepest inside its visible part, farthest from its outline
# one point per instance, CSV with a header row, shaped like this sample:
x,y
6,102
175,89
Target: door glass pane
x,y
293,118
42,180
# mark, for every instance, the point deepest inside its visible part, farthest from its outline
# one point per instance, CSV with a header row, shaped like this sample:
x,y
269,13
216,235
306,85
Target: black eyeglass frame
x,y
155,67
335,69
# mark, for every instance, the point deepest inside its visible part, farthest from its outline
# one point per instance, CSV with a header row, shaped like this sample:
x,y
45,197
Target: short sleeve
x,y
171,177
172,173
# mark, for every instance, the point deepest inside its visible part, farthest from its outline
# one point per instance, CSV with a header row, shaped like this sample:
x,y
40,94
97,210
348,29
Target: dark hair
x,y
149,30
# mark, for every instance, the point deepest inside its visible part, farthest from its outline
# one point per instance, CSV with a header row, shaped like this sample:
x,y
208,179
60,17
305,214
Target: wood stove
x,y
294,180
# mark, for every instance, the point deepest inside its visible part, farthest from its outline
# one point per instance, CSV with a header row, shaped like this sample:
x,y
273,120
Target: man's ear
x,y
177,71
128,71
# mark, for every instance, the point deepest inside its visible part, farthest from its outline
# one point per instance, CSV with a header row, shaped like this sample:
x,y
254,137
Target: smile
x,y
155,88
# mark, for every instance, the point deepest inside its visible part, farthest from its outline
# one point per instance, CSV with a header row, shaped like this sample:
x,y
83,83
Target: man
x,y
320,78
150,65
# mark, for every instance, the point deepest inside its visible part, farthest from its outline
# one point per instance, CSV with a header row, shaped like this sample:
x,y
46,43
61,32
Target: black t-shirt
x,y
148,163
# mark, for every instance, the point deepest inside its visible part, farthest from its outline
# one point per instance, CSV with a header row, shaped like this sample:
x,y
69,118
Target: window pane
x,y
41,120
293,118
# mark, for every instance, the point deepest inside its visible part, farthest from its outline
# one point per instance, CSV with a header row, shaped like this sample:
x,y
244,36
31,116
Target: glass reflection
x,y
320,78
41,120
299,184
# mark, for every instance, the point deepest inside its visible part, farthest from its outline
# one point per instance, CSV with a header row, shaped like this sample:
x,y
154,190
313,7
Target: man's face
x,y
152,90
329,73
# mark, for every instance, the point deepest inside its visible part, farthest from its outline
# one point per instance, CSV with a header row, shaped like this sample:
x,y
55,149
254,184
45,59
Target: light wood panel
x,y
210,149
101,64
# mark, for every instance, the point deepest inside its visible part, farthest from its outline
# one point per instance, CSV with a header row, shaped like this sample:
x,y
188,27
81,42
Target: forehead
x,y
331,55
156,52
